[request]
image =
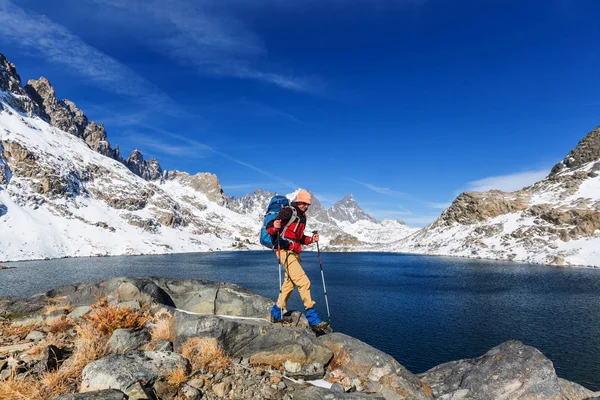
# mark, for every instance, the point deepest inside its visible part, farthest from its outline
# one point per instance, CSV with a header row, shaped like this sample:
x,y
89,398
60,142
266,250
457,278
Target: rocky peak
x,y
9,79
149,170
10,82
64,116
347,209
255,202
203,182
317,211
587,150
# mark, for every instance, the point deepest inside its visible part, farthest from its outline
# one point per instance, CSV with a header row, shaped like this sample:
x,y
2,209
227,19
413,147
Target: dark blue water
x,y
422,310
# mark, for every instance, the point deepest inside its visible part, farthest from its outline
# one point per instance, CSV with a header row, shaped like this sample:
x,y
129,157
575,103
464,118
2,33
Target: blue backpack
x,y
276,204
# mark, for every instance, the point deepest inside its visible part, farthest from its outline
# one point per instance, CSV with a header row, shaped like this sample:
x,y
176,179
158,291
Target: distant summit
x,y
348,210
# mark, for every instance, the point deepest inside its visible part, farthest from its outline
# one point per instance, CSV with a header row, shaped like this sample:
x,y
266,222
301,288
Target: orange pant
x,y
294,276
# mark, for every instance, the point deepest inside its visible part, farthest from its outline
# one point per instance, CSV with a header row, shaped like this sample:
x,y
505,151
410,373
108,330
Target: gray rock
x,y
132,373
164,345
206,297
258,340
35,335
511,370
318,393
79,312
222,389
124,340
574,391
307,372
108,394
22,306
359,360
36,320
190,393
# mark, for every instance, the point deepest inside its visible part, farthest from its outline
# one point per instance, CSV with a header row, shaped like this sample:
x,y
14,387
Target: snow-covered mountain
x,y
555,221
65,192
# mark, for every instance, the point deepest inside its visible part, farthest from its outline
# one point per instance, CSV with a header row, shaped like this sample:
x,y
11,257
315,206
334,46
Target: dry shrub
x,y
89,346
49,386
161,327
57,303
60,325
106,318
8,329
177,376
205,352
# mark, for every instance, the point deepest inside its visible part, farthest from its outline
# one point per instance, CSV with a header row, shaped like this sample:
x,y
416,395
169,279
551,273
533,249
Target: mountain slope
x,y
555,221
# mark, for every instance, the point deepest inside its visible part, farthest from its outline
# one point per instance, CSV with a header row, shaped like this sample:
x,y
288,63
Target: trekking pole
x,y
279,264
323,278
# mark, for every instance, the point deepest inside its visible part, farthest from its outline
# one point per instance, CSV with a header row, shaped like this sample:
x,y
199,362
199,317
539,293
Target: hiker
x,y
288,250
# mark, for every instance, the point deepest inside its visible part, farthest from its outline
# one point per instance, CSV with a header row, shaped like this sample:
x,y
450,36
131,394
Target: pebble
x,y
221,389
35,335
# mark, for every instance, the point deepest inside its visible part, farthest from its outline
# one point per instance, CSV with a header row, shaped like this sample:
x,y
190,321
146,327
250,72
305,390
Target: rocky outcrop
x,y
149,170
64,115
587,150
258,200
344,239
205,183
472,207
348,209
5,173
511,370
373,367
10,82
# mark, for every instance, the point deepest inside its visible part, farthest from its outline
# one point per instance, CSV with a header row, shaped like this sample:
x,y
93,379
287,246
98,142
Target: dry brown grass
x,y
89,346
205,352
50,385
106,318
177,376
57,303
8,329
60,325
161,327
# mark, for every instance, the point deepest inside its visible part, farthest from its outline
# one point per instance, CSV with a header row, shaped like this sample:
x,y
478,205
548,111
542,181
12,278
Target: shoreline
x,y
586,266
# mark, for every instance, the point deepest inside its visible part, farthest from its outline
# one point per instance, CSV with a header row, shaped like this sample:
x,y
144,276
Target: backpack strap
x,y
293,218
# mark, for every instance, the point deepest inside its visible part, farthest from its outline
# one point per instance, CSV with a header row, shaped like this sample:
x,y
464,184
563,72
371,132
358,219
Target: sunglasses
x,y
303,204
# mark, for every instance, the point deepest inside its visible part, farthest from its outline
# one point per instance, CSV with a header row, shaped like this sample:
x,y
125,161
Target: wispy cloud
x,y
208,36
39,35
381,190
152,145
507,183
197,146
441,206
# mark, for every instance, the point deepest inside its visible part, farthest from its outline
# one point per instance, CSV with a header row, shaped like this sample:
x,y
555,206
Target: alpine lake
x,y
422,310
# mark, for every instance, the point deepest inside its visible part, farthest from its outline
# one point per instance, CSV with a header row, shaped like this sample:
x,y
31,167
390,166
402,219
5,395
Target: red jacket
x,y
294,233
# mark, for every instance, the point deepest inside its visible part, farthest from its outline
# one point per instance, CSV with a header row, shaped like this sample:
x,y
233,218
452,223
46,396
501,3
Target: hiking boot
x,y
322,328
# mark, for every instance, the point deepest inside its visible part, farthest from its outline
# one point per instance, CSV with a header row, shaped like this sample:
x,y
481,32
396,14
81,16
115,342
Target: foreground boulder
x,y
256,339
511,370
133,373
198,296
359,360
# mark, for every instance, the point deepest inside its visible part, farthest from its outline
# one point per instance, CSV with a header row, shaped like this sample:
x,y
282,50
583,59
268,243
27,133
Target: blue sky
x,y
402,103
